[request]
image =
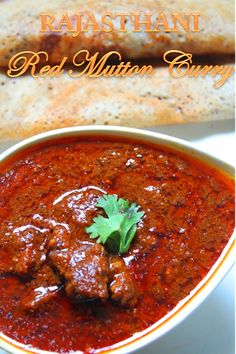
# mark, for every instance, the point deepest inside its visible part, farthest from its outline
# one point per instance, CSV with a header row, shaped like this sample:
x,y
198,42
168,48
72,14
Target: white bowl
x,y
199,293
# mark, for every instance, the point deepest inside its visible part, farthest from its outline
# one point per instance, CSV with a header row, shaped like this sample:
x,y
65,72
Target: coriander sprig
x,y
118,229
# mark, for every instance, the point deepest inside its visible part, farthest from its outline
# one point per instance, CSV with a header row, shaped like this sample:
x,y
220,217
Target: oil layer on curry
x,y
61,290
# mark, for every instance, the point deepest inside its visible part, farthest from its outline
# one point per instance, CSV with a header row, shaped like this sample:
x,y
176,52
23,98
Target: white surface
x,y
210,329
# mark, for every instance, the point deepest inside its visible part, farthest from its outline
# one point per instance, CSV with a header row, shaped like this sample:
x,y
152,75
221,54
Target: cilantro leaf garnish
x,y
118,229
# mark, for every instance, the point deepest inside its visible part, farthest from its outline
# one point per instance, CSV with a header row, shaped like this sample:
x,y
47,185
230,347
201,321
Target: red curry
x,y
49,266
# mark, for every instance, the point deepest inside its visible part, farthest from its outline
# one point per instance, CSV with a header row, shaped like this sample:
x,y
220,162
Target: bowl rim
x,y
199,293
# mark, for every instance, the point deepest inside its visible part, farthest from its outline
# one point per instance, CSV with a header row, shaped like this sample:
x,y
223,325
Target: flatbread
x,y
20,28
29,106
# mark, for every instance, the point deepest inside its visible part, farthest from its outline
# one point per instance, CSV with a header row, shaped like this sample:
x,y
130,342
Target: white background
x,y
210,328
